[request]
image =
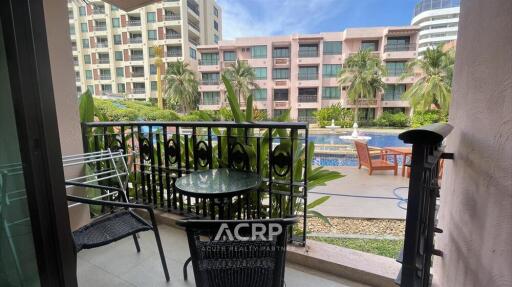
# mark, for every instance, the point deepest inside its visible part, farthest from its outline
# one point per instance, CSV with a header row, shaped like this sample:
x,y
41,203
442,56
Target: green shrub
x,y
226,114
423,118
342,117
399,120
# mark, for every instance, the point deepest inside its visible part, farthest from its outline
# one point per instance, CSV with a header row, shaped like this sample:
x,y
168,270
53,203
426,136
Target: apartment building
x,y
298,72
438,21
113,50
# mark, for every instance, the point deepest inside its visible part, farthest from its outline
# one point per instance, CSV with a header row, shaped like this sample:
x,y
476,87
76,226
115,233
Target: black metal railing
x,y
165,151
424,184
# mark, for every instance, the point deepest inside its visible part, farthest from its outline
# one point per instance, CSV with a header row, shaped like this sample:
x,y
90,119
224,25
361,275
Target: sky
x,y
246,18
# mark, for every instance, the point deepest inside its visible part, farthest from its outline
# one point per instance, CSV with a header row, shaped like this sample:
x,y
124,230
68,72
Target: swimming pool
x,y
377,140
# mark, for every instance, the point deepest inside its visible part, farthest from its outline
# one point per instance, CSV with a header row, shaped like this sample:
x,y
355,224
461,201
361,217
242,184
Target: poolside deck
x,y
358,195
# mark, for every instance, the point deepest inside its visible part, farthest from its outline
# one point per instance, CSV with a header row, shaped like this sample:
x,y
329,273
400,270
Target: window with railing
x,y
106,89
172,17
172,34
139,88
259,94
137,71
331,93
192,4
307,115
281,95
211,98
281,52
308,95
210,78
104,74
395,69
281,74
308,73
332,47
229,56
209,59
308,50
393,92
136,55
134,21
174,51
398,44
103,58
98,10
260,73
366,114
258,52
371,45
331,70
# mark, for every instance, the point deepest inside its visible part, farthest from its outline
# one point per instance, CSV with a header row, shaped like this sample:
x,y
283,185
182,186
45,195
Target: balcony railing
x,y
98,11
134,22
364,102
103,61
399,47
137,74
164,151
172,36
105,77
210,102
192,4
308,54
137,40
210,82
139,91
308,98
194,25
208,62
307,119
172,17
174,54
101,45
100,28
308,76
280,97
136,57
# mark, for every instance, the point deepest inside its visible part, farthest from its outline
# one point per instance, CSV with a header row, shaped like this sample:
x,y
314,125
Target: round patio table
x,y
218,185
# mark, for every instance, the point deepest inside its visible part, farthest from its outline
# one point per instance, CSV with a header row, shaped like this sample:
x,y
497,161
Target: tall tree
x,y
243,79
362,75
159,53
434,87
181,86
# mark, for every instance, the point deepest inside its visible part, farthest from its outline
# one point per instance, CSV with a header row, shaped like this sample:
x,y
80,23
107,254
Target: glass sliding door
x,y
18,264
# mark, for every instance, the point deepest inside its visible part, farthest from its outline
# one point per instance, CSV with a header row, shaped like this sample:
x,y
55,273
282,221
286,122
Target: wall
x,y
476,198
64,88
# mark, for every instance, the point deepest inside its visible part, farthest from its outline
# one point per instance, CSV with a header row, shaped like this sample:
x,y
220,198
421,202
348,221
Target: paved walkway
x,y
119,265
359,195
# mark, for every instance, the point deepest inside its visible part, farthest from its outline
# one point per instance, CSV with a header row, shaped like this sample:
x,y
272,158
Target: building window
x,y
72,30
151,52
331,70
394,110
119,56
152,69
332,47
308,50
279,112
211,98
395,69
107,89
85,43
307,115
81,11
83,27
119,72
366,114
398,44
113,8
209,58
88,74
261,73
90,88
151,35
115,23
153,86
193,53
393,92
280,74
259,52
331,93
216,38
370,45
308,73
281,52
259,94
281,95
215,25
210,78
117,40
121,88
215,11
87,59
151,17
229,56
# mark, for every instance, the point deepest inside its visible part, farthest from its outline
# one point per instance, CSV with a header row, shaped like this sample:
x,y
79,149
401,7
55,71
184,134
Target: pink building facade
x,y
298,72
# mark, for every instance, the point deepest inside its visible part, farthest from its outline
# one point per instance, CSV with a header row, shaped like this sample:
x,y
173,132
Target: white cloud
x,y
246,18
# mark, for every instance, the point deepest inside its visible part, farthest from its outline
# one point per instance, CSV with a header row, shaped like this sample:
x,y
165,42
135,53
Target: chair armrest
x,y
91,201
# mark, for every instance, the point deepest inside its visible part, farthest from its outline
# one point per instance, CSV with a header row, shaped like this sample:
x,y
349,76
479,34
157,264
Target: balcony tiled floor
x,y
118,264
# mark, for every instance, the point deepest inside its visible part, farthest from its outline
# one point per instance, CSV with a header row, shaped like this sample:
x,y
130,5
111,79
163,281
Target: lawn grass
x,y
382,247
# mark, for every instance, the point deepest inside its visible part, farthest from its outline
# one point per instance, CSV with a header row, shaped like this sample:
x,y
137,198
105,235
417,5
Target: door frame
x,y
28,62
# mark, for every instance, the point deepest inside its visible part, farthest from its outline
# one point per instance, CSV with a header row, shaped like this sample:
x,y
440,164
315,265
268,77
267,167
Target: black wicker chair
x,y
221,260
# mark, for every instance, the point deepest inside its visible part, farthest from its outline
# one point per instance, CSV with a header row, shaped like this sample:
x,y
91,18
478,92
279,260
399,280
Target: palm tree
x,y
243,79
362,75
159,52
433,88
181,86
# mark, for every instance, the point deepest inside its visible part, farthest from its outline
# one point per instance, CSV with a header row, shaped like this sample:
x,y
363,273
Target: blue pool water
x,y
377,140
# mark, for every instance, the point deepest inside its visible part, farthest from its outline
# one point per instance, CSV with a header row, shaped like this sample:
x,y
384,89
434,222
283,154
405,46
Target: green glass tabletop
x,y
222,182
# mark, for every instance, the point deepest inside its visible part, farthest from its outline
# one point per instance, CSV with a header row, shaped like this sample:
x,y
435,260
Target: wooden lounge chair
x,y
365,159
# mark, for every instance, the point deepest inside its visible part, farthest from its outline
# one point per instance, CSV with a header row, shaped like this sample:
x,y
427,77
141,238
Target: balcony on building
x,y
171,16
137,71
103,58
308,73
281,95
370,45
105,74
209,59
194,25
73,46
98,9
194,40
308,95
136,55
172,34
308,50
192,5
75,61
210,98
135,38
281,56
210,79
134,21
174,51
100,25
139,88
101,42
